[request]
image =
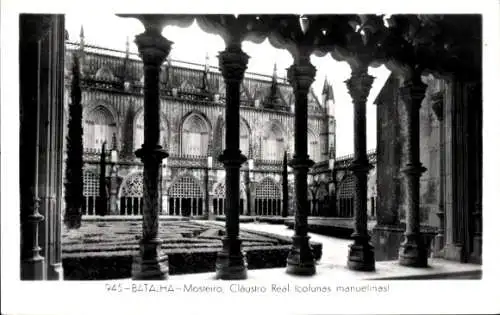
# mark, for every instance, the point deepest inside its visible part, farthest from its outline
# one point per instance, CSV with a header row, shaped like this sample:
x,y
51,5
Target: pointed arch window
x,y
244,138
313,147
139,132
99,126
195,136
273,143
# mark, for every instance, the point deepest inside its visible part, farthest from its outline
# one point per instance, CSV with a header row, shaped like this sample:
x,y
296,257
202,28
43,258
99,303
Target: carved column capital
x,y
153,47
359,85
233,63
413,92
301,75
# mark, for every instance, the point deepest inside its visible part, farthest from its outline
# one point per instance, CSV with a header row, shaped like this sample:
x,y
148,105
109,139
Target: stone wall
x,y
430,159
388,155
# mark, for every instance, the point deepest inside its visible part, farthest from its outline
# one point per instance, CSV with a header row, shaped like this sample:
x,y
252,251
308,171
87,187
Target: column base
x,y
437,249
231,263
361,256
413,253
55,272
300,260
33,269
453,252
148,265
386,240
477,254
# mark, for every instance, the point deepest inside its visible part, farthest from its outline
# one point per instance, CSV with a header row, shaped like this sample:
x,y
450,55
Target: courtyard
x,y
104,248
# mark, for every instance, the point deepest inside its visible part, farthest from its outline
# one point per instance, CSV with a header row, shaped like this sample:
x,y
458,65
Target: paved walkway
x,y
334,260
335,250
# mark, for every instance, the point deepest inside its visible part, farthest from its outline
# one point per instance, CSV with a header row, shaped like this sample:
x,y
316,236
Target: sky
x,y
193,45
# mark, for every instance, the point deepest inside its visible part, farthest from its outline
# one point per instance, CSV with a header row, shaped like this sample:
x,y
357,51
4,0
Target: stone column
x,y
476,168
231,261
412,252
300,260
206,206
437,106
153,49
113,200
361,254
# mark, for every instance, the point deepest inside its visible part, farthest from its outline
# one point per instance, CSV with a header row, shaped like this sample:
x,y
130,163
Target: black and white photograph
x,y
318,162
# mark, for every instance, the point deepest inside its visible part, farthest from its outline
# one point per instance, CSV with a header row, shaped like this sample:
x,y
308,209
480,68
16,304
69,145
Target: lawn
x,y
103,249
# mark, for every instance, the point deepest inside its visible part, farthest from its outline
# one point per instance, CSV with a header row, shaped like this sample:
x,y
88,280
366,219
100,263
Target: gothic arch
x,y
245,135
219,190
186,185
101,102
132,185
99,125
202,115
130,194
268,199
268,188
273,141
138,134
219,198
313,145
186,196
195,134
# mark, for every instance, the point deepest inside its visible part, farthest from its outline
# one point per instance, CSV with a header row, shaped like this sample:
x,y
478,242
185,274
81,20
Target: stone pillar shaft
x,y
231,262
153,49
412,252
437,103
300,259
361,254
113,206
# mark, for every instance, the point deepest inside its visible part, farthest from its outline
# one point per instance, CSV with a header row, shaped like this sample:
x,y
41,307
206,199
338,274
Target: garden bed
x,y
104,249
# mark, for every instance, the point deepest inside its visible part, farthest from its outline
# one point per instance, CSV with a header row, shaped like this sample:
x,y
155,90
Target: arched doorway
x,y
268,198
185,197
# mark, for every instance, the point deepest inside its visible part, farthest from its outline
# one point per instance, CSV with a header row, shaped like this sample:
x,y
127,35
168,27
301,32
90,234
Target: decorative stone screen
x,y
185,197
90,192
345,198
131,201
219,199
268,199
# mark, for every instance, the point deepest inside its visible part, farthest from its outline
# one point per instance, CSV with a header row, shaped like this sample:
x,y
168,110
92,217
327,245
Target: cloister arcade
x,y
411,46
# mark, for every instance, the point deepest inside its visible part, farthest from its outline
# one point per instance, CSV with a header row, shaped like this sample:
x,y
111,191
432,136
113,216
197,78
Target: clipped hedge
x,y
243,219
97,252
117,265
271,220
